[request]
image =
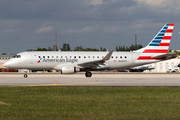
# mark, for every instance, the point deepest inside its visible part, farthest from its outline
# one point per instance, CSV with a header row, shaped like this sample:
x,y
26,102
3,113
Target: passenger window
x,y
79,56
89,57
39,56
47,56
61,56
102,56
93,57
111,56
116,56
52,56
120,56
56,56
65,56
70,57
74,56
125,57
43,56
84,56
97,56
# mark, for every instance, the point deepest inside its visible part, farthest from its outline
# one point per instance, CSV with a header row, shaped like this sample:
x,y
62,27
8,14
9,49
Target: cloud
x,y
112,29
96,2
162,6
92,2
83,30
44,29
151,2
87,19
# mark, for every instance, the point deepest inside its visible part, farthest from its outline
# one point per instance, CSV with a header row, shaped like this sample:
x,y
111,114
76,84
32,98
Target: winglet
x,y
107,57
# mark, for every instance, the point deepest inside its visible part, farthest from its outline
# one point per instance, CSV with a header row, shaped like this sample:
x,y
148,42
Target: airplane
x,y
72,62
141,68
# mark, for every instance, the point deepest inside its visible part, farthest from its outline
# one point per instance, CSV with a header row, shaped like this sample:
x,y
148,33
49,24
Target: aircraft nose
x,y
6,64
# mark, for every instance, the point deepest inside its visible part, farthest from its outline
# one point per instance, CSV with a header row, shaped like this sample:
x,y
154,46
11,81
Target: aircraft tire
x,y
88,74
25,75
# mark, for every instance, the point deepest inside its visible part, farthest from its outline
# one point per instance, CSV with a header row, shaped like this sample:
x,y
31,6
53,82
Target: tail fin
x,y
159,44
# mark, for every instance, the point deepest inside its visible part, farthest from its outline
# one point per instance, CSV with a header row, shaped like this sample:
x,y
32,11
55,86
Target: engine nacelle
x,y
69,70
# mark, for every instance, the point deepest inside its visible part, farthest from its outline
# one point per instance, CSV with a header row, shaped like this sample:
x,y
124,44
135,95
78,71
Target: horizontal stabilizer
x,y
167,56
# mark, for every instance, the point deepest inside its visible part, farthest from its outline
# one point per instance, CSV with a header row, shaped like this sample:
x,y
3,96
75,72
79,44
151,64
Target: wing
x,y
167,56
96,63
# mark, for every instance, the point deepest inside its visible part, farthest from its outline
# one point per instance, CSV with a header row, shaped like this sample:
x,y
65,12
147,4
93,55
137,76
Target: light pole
x,y
135,41
55,42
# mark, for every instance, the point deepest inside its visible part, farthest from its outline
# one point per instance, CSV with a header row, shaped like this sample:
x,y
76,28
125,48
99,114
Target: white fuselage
x,y
56,60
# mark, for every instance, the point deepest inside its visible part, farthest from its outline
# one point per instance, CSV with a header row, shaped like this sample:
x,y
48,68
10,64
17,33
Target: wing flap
x,y
95,63
90,64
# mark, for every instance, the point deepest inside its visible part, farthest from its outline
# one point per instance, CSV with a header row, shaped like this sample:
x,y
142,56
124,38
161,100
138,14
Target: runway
x,y
95,80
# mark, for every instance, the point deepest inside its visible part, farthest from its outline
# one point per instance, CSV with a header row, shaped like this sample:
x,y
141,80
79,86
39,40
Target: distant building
x,y
164,66
175,50
4,57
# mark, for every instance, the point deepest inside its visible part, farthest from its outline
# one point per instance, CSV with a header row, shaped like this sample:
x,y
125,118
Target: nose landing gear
x,y
25,75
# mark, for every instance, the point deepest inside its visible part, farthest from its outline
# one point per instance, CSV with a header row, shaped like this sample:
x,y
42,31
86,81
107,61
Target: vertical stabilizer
x,y
159,44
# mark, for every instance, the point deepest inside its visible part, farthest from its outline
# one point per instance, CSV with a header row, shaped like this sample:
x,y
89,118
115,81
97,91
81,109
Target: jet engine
x,y
69,70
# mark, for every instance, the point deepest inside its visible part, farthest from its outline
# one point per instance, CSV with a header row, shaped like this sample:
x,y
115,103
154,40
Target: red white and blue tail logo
x,y
159,44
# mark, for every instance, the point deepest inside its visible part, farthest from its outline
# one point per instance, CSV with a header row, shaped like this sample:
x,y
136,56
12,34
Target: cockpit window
x,y
17,56
14,56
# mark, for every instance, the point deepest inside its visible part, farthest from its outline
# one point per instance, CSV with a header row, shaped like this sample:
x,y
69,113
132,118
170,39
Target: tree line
x,y
66,47
174,51
130,48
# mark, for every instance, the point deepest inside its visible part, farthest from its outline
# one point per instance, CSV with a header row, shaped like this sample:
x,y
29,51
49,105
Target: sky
x,y
28,24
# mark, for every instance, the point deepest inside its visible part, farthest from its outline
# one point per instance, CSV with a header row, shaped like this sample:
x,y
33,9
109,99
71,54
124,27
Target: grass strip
x,y
98,103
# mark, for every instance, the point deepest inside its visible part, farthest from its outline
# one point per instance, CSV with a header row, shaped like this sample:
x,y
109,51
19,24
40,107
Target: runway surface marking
x,y
62,84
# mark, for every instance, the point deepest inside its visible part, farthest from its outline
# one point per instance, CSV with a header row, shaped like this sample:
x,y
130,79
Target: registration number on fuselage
x,y
122,60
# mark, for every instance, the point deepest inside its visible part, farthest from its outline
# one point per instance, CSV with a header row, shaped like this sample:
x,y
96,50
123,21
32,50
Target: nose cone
x,y
6,64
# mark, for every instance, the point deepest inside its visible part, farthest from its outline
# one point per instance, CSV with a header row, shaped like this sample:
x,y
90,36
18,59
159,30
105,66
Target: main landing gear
x,y
25,75
88,74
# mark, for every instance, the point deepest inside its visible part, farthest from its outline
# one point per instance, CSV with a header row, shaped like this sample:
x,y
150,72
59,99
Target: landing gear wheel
x,y
25,75
88,74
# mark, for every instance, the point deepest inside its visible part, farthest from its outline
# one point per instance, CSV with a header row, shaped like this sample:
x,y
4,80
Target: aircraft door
x,y
31,58
132,57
